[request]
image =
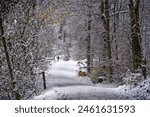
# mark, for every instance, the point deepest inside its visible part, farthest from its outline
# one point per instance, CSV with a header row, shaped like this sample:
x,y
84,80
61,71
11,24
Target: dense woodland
x,y
112,35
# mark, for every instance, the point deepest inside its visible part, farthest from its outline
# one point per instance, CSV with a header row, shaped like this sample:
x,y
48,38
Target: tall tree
x,y
136,39
5,5
88,41
106,25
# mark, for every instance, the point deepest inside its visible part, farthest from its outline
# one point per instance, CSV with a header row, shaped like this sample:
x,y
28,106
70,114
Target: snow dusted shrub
x,y
97,75
94,74
82,71
132,79
82,74
141,92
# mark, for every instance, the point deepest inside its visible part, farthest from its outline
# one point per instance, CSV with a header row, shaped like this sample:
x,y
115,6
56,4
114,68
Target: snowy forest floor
x,y
63,83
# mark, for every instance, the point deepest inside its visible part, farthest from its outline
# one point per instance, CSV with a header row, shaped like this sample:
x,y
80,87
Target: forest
x,y
104,42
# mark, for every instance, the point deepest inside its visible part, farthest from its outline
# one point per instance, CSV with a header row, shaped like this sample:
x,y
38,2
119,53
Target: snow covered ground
x,y
64,73
142,91
64,84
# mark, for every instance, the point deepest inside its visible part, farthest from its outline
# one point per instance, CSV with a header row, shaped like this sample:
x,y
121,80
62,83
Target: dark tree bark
x,y
88,40
138,60
105,19
115,24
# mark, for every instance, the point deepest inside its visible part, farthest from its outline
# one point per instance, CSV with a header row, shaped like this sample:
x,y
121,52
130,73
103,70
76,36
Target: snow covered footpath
x,y
64,73
64,84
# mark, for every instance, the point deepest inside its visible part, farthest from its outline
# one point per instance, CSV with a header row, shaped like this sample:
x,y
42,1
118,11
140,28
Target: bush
x,y
97,75
132,79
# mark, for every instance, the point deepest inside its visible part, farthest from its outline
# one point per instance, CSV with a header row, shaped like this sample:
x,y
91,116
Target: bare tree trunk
x,y
136,39
88,40
105,18
12,83
115,24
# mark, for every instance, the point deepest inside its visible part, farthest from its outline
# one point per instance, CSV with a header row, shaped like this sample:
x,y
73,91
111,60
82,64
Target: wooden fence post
x,y
44,80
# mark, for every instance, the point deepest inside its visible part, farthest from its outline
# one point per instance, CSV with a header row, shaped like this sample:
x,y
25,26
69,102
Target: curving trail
x,y
64,84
